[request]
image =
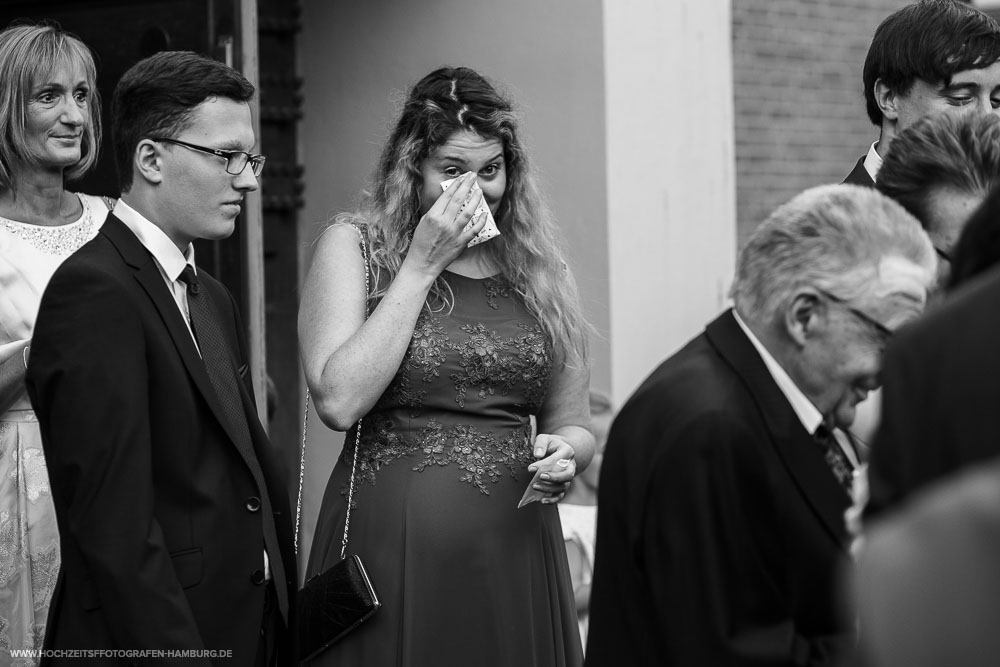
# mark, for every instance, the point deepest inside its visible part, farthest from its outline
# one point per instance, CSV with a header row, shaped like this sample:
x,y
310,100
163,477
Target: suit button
x,y
253,504
257,577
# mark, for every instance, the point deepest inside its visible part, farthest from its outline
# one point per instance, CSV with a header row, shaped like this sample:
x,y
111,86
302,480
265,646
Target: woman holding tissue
x,y
468,334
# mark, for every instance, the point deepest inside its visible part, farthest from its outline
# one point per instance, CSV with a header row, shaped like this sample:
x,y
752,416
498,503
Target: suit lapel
x,y
149,277
860,175
796,448
249,451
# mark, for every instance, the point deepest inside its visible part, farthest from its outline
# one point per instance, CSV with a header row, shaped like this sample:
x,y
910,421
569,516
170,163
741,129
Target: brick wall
x,y
799,106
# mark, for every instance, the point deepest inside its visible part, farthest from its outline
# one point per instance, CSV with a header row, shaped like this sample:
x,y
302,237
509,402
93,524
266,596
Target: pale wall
x,y
358,59
671,192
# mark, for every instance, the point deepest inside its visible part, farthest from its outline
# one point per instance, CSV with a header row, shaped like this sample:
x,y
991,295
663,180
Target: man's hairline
x,y
944,83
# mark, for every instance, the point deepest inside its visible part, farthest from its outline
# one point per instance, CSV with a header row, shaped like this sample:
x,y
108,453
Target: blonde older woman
x,y
50,129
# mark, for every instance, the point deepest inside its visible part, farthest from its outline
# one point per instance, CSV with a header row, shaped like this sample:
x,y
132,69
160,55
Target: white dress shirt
x,y
808,414
169,259
873,162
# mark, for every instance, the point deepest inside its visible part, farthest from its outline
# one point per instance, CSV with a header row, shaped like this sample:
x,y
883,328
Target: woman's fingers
x,y
445,230
454,215
464,209
453,199
560,474
554,490
476,220
555,461
548,445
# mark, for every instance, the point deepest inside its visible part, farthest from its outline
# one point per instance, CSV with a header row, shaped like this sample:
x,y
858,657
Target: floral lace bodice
x,y
464,393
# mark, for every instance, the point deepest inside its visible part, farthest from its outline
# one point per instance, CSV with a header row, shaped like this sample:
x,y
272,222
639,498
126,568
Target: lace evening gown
x,y
29,539
464,576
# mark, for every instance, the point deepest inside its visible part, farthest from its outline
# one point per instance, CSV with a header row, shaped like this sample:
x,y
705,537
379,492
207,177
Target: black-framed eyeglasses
x,y
884,332
236,161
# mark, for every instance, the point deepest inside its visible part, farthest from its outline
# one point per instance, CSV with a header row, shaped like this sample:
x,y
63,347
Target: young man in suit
x,y
931,57
720,524
173,507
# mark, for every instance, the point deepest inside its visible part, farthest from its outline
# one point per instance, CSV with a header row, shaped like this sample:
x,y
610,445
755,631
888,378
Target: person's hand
x,y
852,515
441,234
555,459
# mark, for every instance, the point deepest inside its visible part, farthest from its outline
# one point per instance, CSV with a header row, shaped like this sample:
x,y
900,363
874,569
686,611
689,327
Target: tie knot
x,y
189,278
823,434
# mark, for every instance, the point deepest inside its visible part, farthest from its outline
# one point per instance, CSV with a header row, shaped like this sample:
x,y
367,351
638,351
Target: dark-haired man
x,y
172,505
930,57
941,169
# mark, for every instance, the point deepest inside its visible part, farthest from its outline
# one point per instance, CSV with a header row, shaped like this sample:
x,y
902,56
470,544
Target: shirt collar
x,y
807,413
171,260
873,162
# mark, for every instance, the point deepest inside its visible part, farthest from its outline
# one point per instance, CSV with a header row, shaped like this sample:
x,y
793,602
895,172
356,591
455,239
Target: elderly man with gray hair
x,y
720,525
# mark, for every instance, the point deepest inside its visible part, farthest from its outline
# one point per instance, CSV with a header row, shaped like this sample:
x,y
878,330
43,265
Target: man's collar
x,y
159,245
807,413
873,162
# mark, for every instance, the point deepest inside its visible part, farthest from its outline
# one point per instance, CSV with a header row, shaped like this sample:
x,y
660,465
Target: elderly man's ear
x,y
804,316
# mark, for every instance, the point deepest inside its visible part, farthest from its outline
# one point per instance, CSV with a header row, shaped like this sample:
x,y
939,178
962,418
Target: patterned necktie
x,y
225,381
214,352
835,457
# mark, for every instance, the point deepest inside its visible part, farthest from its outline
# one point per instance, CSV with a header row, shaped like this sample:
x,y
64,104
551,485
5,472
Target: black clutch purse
x,y
333,603
339,599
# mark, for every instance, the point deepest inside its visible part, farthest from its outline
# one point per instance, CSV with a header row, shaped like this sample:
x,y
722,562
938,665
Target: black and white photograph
x,y
535,333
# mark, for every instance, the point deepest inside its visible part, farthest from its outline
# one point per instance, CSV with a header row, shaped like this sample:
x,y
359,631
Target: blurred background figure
x,y
463,345
941,169
928,588
925,432
978,248
720,529
50,130
578,511
930,57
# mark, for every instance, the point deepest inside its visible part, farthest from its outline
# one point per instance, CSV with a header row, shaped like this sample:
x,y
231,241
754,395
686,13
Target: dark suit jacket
x,y
158,509
928,585
941,396
860,175
720,526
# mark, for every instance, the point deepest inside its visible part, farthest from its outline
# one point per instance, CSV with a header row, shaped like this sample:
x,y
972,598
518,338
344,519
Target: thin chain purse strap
x,y
357,427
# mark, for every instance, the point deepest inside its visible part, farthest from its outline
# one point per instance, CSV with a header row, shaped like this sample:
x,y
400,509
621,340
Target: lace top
x,y
464,392
29,546
29,255
60,240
